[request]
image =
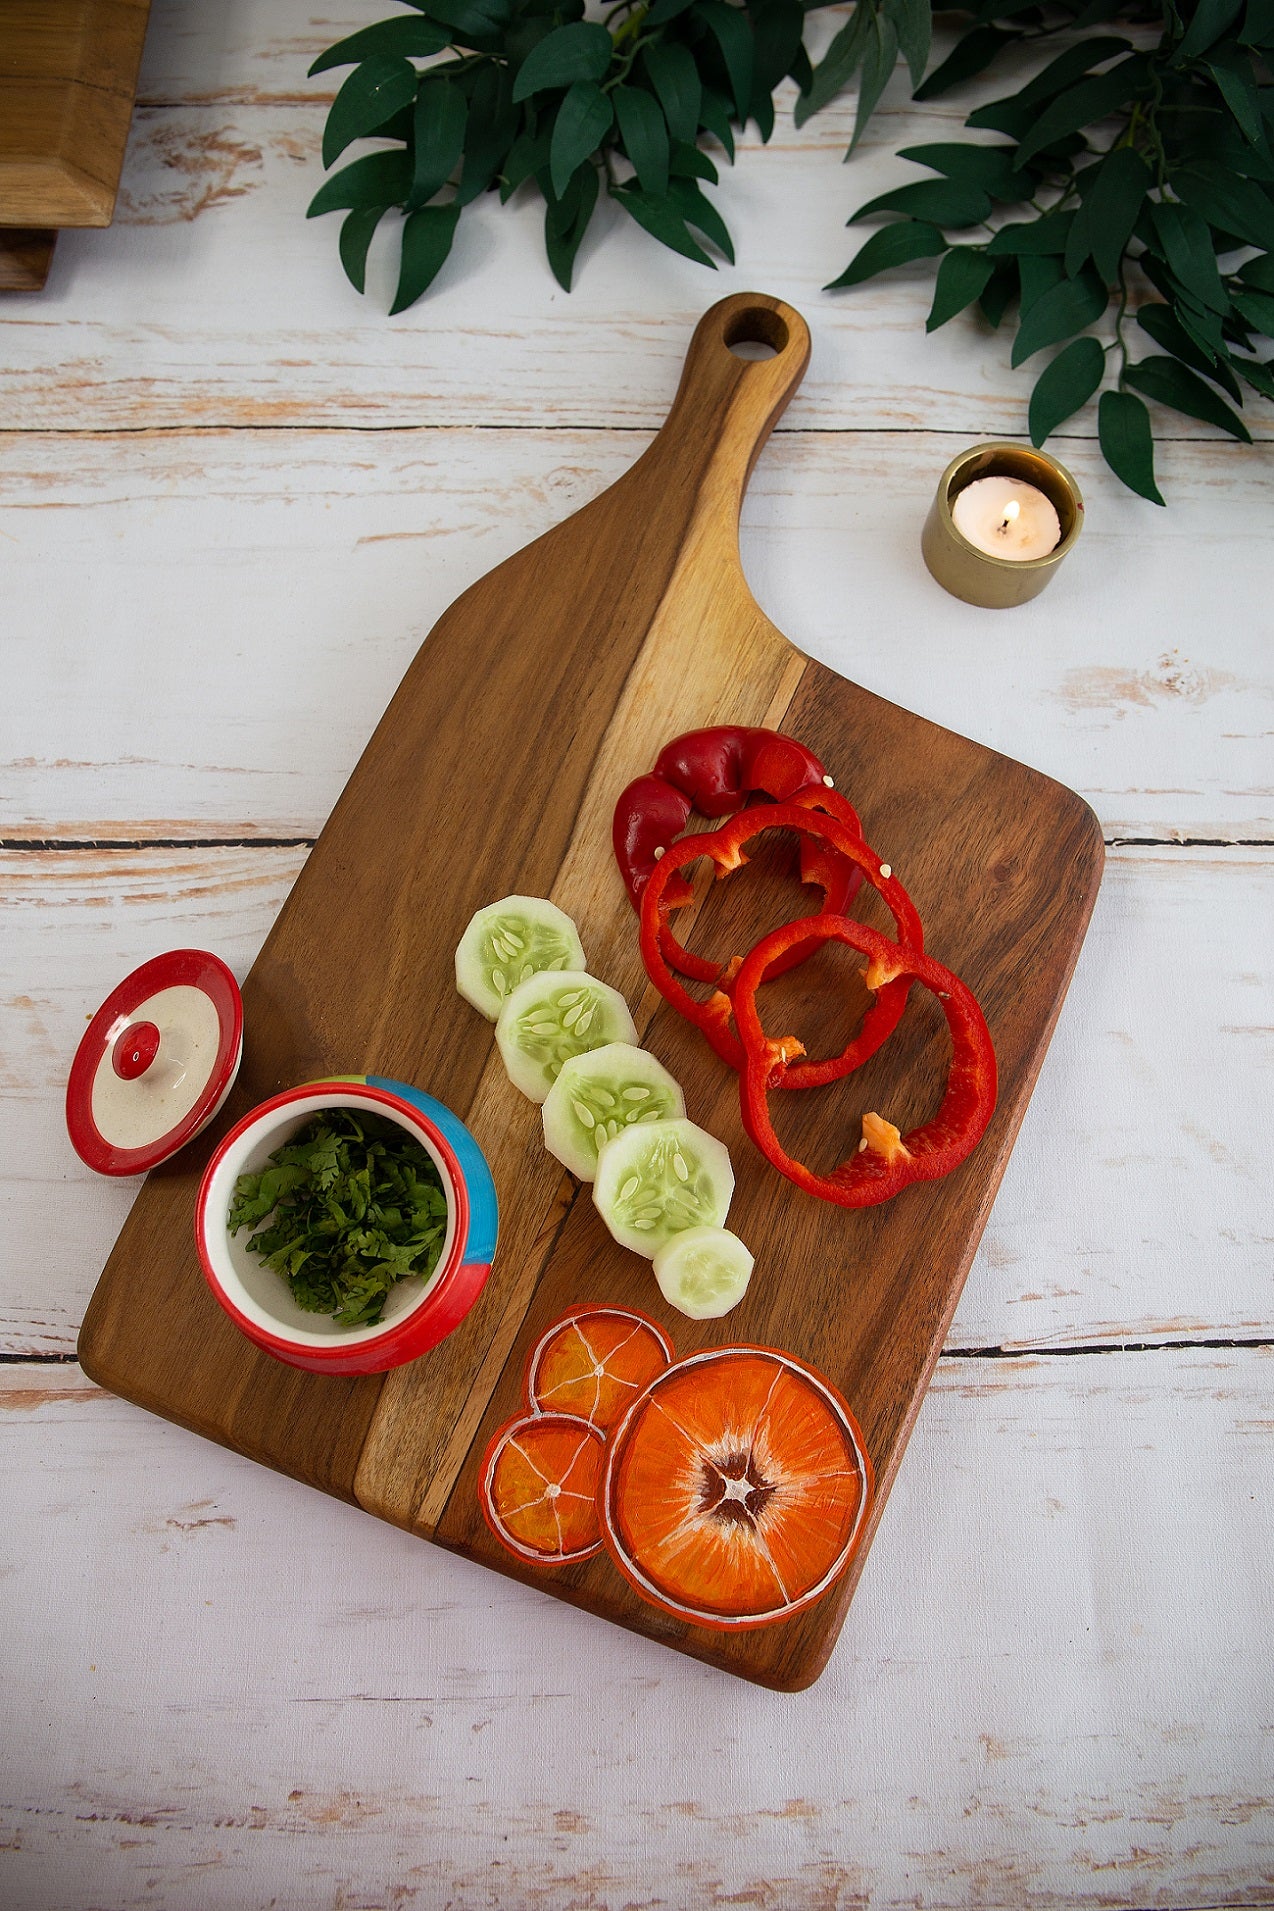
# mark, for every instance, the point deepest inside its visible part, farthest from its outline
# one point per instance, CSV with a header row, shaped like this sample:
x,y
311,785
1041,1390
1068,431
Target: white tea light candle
x,y
1007,518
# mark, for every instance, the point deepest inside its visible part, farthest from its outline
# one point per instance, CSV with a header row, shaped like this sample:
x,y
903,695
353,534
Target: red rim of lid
x,y
193,968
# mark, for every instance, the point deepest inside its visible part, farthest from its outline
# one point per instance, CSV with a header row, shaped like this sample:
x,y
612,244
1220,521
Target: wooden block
x,y
25,257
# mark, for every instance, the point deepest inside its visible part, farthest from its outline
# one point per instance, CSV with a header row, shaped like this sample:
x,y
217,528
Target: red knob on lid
x,y
135,1050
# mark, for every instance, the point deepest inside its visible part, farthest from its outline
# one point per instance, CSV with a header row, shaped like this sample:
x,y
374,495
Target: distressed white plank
x,y
211,300
202,630
1045,1699
1135,1205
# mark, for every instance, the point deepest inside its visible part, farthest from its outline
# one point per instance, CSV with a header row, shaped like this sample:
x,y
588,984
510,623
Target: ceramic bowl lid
x,y
156,1062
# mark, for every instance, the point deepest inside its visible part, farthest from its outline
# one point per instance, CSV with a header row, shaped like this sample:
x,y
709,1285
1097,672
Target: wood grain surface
x,y
569,667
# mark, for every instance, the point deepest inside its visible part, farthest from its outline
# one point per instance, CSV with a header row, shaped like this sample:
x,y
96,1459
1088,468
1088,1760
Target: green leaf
x,y
1161,323
699,212
471,21
1104,222
672,72
1064,385
395,37
892,245
1258,309
969,57
1068,308
583,121
687,162
1233,74
1211,19
777,26
1228,202
1256,373
373,92
962,278
714,114
913,22
944,202
1017,113
1258,24
1091,100
566,221
645,135
489,130
356,235
1170,383
1186,245
528,154
1049,234
441,113
1259,272
664,10
580,51
878,65
999,294
427,237
990,167
379,179
662,221
1123,431
1037,273
838,65
730,29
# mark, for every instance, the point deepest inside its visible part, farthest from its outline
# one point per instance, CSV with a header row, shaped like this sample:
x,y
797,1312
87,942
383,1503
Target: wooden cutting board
x,y
537,697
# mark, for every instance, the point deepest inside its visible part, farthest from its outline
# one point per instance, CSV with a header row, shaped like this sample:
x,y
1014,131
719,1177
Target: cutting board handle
x,y
728,402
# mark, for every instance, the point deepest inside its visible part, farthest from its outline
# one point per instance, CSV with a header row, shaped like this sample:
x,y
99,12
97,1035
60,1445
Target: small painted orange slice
x,y
736,1488
594,1362
538,1488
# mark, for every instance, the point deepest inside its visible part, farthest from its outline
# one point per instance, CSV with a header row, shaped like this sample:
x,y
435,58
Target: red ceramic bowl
x,y
418,1313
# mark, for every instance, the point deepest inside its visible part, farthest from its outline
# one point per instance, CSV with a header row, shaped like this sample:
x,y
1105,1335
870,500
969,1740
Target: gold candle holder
x,y
974,575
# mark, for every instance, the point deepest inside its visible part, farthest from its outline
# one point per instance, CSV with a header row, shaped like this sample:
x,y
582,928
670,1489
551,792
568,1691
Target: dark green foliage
x,y
351,1205
1131,181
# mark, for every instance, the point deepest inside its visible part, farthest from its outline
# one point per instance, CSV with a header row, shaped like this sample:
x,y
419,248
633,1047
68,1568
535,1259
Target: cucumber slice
x,y
598,1094
549,1018
704,1272
660,1178
507,943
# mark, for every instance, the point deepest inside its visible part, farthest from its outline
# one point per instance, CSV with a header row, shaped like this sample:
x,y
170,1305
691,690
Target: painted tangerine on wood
x,y
736,1488
594,1362
539,1486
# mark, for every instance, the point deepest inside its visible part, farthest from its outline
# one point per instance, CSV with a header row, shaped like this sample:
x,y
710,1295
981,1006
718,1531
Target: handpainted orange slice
x,y
538,1488
736,1488
594,1362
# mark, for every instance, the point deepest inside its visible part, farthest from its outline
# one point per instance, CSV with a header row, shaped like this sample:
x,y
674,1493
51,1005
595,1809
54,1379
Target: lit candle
x,y
1002,519
1006,518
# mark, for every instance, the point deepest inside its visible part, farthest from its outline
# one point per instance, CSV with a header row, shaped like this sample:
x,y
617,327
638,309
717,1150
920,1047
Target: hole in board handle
x,y
756,333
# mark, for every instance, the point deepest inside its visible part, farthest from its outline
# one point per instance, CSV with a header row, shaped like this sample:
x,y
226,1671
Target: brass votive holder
x,y
975,575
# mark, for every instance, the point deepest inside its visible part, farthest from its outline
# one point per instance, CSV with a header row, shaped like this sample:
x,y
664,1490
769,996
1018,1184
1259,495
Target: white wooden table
x,y
233,500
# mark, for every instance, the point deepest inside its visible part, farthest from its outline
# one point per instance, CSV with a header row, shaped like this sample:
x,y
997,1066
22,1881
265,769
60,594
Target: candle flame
x,y
1011,510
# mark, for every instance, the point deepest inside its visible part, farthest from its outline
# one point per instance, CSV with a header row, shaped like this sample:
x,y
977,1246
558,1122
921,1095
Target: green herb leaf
x,y
644,131
1017,113
662,221
401,37
427,237
1104,222
1258,309
892,245
1211,19
1233,74
374,91
1169,383
580,51
489,131
672,72
878,65
913,22
687,162
1256,373
1259,272
566,221
714,114
356,236
379,179
1049,234
969,57
699,212
990,167
777,26
1187,247
1068,308
962,279
474,22
1000,292
1228,202
1161,323
441,113
1091,100
583,120
1038,273
729,27
1123,431
529,154
944,202
1064,385
838,65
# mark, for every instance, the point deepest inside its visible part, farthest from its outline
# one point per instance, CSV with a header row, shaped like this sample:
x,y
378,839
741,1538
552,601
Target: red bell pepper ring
x,y
886,1162
668,889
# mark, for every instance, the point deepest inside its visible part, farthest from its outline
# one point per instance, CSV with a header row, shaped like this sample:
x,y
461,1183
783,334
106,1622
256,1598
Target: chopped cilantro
x,y
353,1204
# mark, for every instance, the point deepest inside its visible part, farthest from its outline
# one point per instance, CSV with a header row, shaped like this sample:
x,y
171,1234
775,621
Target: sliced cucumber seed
x,y
528,970
572,995
585,1021
630,1187
636,1094
584,1113
604,1098
572,1016
517,941
679,1164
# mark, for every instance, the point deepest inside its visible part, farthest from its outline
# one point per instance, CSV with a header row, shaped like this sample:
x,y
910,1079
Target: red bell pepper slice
x,y
886,1162
668,889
